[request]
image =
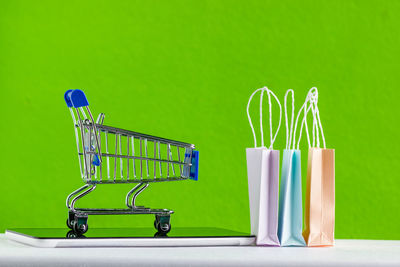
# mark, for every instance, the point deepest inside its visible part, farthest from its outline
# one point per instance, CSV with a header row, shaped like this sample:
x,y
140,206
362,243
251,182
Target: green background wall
x,y
185,70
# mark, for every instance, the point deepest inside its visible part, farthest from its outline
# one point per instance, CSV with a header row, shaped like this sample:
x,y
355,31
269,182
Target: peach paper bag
x,y
320,193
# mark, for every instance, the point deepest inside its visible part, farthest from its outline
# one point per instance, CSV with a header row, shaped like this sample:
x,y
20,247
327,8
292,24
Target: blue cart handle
x,y
67,98
77,98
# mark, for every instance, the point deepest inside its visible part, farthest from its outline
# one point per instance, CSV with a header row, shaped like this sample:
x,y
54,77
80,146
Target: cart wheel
x,y
72,234
157,221
164,228
80,228
70,224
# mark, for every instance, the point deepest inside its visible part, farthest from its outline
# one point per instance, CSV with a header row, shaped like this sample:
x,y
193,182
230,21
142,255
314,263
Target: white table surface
x,y
344,253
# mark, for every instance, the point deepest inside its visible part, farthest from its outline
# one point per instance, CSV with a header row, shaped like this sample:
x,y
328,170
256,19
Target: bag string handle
x,y
311,103
306,109
317,122
272,137
289,133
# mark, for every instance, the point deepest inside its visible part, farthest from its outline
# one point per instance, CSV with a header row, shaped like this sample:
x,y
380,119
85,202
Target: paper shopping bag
x,y
263,183
290,200
320,195
320,198
263,180
290,222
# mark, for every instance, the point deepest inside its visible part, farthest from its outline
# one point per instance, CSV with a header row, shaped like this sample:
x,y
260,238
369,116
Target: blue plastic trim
x,y
67,97
78,99
96,160
194,169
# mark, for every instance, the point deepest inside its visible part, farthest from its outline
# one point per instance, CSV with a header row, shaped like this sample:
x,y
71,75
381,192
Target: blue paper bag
x,y
290,201
290,218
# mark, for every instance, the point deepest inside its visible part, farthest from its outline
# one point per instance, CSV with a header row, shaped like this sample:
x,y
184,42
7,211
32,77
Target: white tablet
x,y
129,237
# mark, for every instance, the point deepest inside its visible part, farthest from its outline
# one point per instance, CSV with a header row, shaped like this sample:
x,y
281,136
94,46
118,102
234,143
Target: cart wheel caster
x,y
163,228
71,220
162,224
72,234
70,224
80,228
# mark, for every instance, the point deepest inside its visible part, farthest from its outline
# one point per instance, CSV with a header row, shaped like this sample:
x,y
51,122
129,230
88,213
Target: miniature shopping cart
x,y
109,155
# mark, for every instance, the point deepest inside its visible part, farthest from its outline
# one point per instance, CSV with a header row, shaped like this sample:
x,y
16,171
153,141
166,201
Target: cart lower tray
x,y
129,237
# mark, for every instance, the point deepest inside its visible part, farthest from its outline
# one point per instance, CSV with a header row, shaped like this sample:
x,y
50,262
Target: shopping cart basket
x,y
109,155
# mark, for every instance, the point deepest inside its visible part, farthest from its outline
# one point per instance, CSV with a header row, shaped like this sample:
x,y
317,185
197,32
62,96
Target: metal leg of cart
x,y
137,190
77,221
162,217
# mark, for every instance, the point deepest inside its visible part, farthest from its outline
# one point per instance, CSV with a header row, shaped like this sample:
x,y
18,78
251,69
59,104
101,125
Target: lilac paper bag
x,y
263,181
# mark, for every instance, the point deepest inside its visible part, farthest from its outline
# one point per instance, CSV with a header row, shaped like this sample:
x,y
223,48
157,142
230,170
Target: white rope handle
x,y
272,138
270,117
248,116
318,118
289,133
311,103
261,124
315,131
305,108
